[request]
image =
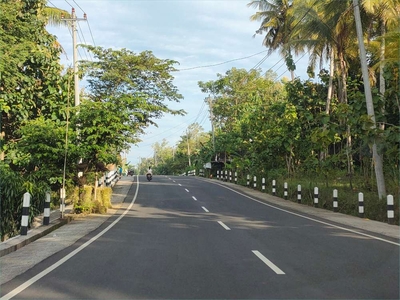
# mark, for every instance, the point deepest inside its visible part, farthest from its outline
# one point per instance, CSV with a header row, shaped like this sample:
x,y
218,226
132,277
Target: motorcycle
x,y
149,176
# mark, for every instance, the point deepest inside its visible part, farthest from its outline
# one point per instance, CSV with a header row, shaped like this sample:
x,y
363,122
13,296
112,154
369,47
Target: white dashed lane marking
x,y
268,263
223,225
205,209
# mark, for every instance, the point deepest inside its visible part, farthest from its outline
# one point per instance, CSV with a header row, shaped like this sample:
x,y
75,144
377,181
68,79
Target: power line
x,y
51,3
79,6
84,40
90,30
222,63
295,62
68,3
260,62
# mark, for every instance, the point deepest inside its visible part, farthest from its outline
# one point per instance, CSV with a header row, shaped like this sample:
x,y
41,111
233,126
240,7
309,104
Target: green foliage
x,y
12,189
84,203
30,73
126,93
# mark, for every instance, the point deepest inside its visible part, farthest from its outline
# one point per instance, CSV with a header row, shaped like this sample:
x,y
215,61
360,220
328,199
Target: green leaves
x,y
127,92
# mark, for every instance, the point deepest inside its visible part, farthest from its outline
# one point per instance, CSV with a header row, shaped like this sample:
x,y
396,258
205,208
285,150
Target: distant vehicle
x,y
131,173
149,176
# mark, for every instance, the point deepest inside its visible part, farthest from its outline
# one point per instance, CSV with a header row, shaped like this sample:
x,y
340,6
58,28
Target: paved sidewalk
x,y
23,252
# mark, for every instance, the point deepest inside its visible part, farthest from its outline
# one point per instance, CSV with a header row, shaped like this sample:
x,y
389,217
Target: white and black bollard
x,y
235,177
390,209
25,213
361,205
248,180
335,200
255,182
230,176
273,187
315,197
299,193
62,202
285,192
263,184
217,174
46,213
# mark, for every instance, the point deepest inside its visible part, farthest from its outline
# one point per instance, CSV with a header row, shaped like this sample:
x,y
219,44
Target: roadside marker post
x,y
273,187
361,205
315,196
285,190
335,200
390,209
25,213
299,193
46,213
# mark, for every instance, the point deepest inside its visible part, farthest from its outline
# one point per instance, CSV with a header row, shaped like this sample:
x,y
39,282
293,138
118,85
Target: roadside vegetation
x,y
315,132
46,141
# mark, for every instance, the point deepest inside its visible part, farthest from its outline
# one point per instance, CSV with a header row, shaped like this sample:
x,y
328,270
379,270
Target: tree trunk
x,y
342,93
323,154
382,88
378,163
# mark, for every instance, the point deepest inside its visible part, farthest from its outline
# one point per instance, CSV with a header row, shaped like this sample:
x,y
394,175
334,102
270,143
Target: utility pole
x,y
378,163
210,103
188,147
73,22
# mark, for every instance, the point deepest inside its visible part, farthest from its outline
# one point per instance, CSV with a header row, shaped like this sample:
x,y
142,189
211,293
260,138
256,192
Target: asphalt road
x,y
187,238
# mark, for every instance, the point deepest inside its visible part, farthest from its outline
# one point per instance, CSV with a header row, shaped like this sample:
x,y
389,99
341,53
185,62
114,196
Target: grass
x,y
374,208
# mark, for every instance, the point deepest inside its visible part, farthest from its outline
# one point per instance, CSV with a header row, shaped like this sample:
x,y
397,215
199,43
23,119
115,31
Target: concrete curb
x,y
120,191
13,244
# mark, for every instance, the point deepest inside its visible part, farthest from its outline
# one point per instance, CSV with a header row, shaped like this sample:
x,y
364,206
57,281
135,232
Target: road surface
x,y
188,238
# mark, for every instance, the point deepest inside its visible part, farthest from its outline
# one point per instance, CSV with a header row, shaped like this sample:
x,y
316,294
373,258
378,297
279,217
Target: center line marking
x,y
187,190
223,225
205,209
194,198
268,263
179,184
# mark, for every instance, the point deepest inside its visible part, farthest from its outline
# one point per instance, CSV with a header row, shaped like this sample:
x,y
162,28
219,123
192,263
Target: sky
x,y
206,37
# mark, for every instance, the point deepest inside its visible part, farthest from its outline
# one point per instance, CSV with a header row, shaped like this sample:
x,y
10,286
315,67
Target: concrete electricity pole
x,y
378,163
210,103
73,22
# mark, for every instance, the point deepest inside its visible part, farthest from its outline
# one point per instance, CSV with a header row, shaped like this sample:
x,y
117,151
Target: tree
x,y
30,73
277,23
126,93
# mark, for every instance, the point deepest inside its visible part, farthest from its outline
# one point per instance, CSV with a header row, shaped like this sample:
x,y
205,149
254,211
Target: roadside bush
x,y
12,188
84,203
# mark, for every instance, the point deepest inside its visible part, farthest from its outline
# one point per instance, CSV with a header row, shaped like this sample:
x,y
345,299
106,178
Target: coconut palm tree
x,y
54,16
276,24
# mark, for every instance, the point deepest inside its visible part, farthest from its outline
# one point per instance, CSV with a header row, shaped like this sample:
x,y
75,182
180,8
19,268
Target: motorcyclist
x,y
149,174
149,171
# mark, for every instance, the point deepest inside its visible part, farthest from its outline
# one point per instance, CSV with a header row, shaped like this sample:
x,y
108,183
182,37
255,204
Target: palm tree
x,y
276,23
386,13
54,16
